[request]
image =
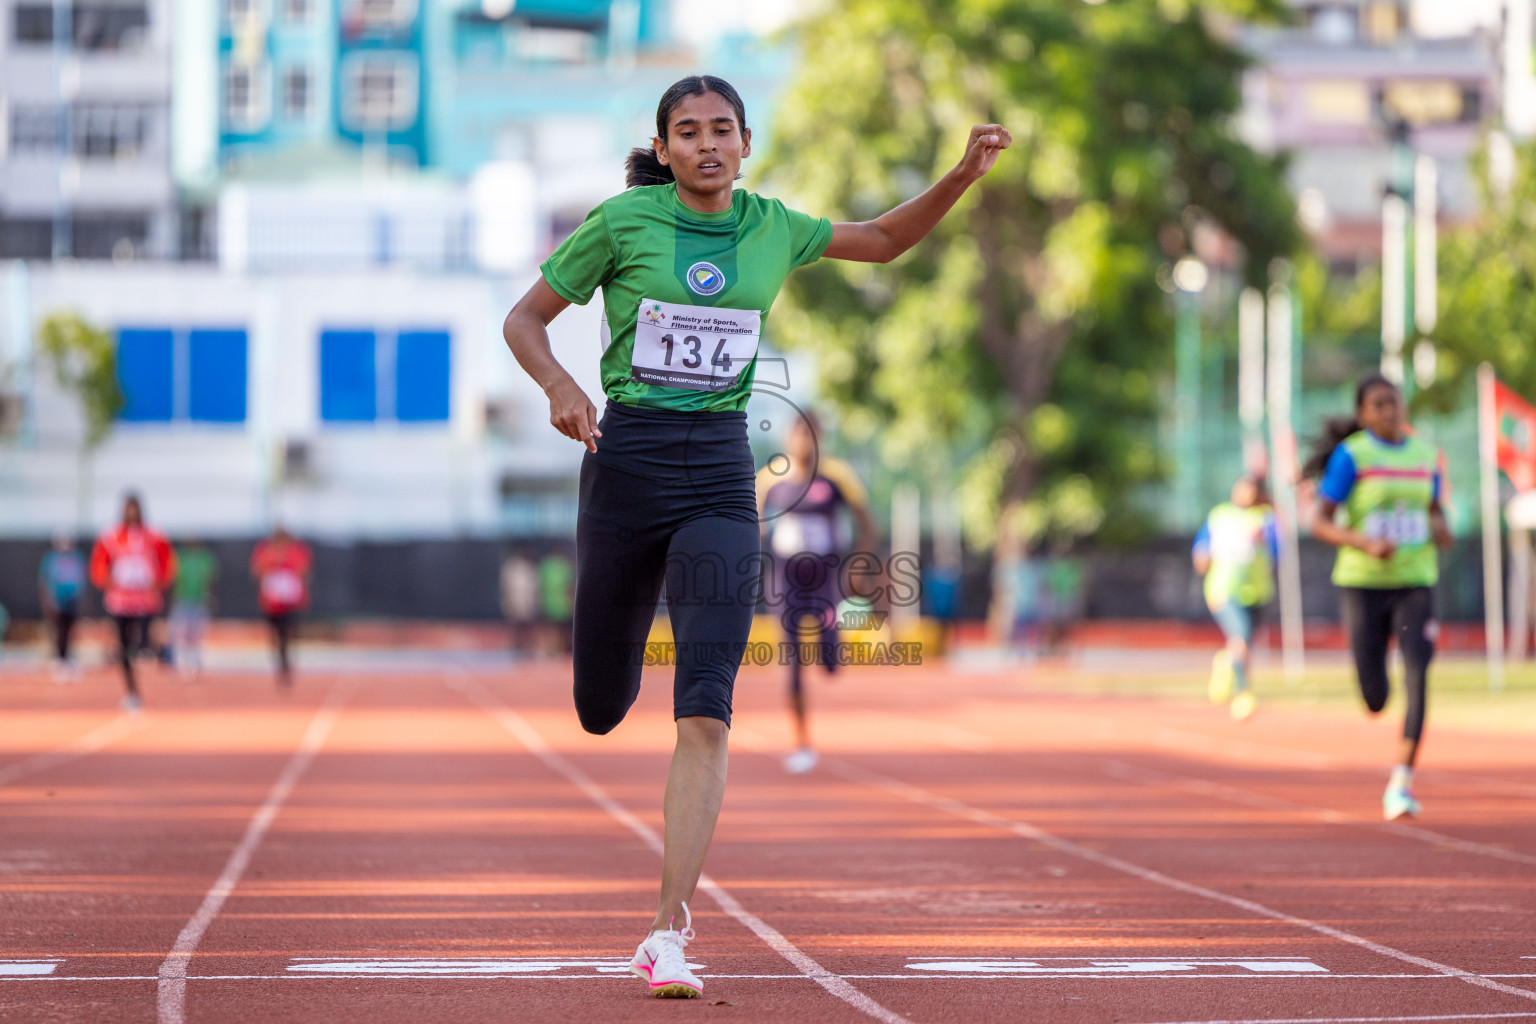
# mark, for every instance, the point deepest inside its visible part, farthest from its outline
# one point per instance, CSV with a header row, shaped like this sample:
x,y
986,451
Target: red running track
x,y
384,847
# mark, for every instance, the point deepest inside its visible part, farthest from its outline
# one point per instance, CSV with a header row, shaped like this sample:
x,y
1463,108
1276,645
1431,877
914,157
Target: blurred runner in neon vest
x,y
1378,502
1235,551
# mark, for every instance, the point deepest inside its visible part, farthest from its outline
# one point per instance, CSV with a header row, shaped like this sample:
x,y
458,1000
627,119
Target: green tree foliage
x,y
1015,354
84,363
1487,274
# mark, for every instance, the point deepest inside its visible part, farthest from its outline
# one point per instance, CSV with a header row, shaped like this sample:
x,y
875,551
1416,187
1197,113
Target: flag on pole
x,y
1515,437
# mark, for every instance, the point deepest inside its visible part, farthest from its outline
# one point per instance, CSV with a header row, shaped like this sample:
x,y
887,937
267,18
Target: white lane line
x,y
1358,1020
1016,978
28,968
1183,740
960,810
1504,786
1248,798
172,994
96,739
1232,794
525,734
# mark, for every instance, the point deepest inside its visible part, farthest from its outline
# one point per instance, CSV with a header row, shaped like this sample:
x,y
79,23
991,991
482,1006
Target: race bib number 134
x,y
697,348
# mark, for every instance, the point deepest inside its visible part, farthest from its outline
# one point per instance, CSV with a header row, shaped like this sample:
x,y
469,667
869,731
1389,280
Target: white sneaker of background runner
x,y
1397,801
801,761
660,961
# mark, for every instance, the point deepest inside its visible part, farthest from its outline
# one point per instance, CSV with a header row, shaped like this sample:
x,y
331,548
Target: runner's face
x,y
132,514
705,144
802,447
1381,412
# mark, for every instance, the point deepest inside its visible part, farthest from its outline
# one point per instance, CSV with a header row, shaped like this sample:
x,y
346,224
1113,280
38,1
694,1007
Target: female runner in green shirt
x,y
688,267
1387,483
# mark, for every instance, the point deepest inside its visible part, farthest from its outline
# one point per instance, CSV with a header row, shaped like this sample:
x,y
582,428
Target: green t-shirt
x,y
1393,488
195,570
644,244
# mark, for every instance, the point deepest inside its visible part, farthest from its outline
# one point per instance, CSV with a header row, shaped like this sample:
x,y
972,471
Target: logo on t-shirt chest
x,y
704,278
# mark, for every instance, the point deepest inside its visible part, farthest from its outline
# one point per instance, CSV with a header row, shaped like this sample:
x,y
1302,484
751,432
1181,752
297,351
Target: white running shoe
x,y
132,703
660,961
1398,802
801,761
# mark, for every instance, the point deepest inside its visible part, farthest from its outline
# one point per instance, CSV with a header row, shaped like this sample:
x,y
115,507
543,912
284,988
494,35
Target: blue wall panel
x,y
146,373
422,376
348,377
218,376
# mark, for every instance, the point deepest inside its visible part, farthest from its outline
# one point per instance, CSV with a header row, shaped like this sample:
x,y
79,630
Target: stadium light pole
x,y
1394,290
1426,298
1250,378
1282,473
1190,276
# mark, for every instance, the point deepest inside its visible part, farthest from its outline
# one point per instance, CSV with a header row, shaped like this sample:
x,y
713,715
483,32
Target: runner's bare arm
x,y
570,410
891,234
1324,528
1439,526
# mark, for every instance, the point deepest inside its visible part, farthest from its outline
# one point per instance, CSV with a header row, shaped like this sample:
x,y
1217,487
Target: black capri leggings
x,y
668,496
1371,618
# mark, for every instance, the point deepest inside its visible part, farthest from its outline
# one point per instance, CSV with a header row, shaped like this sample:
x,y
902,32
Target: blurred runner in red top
x,y
281,566
132,565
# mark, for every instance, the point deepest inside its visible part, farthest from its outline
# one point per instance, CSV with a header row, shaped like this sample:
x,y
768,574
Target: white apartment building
x,y
376,404
85,130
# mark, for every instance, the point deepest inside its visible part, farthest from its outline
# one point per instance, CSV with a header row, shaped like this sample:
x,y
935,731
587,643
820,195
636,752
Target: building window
x,y
238,12
26,238
298,93
379,93
245,98
110,26
33,23
105,131
99,25
368,376
105,236
1422,101
171,375
372,15
297,12
36,129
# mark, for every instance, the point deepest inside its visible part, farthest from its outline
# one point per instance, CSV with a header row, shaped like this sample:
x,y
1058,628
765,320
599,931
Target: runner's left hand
x,y
986,142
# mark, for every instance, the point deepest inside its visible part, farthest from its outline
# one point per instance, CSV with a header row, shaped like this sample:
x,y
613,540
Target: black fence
x,y
460,580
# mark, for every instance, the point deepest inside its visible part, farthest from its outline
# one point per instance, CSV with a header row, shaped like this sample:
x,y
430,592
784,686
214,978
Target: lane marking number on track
x,y
26,968
464,967
1117,965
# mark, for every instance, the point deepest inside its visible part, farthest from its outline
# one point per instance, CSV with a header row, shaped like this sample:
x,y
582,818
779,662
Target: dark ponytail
x,y
642,166
1337,428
